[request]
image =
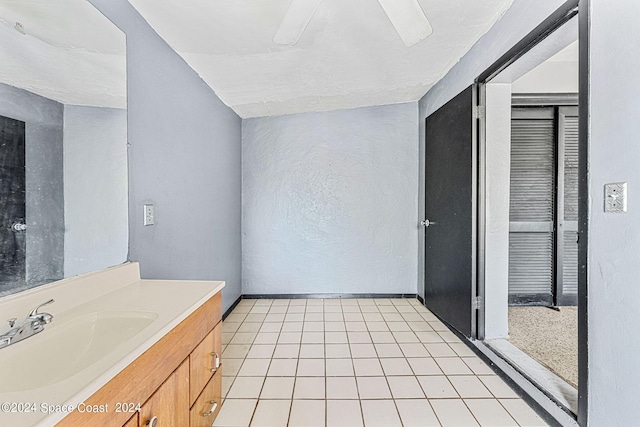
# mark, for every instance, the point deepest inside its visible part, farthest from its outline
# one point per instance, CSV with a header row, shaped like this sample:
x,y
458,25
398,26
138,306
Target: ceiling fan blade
x,y
295,21
409,20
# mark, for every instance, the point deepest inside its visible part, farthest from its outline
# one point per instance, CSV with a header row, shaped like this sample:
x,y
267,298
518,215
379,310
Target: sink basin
x,y
67,346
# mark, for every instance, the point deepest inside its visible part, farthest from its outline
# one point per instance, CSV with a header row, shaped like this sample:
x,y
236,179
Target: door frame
x,y
562,15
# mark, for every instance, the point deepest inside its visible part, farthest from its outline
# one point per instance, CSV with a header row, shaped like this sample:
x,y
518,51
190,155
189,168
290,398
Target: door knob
x,y
427,223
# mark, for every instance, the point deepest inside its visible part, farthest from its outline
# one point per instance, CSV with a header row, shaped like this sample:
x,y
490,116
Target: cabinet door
x,y
204,361
170,403
206,408
133,421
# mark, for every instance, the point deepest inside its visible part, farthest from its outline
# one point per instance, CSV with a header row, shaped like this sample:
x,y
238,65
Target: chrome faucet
x,y
31,325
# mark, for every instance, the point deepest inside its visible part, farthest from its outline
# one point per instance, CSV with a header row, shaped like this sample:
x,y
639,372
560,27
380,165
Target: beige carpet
x,y
548,336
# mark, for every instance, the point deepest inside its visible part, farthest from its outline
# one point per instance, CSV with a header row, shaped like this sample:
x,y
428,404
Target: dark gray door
x,y
12,202
450,168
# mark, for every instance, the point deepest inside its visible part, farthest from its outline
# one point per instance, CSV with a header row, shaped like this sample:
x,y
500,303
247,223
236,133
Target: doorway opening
x,y
543,223
502,217
529,141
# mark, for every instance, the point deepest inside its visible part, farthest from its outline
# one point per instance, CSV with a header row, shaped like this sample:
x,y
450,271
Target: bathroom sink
x,y
68,346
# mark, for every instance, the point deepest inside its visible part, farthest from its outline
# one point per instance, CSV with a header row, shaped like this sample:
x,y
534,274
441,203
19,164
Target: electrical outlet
x,y
149,216
615,197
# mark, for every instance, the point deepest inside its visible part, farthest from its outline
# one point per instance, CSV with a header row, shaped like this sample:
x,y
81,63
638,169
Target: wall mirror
x,y
63,142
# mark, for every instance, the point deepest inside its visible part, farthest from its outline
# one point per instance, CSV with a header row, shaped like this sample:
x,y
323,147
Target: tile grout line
x,y
255,410
471,412
355,378
385,374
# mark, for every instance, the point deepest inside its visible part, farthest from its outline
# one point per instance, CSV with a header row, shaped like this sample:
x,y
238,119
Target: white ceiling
x,y
349,56
69,52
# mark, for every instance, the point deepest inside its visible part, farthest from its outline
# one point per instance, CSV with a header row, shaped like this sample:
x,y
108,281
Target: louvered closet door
x,y
531,216
567,252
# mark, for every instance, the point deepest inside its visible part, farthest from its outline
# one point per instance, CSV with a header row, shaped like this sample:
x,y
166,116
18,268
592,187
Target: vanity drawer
x,y
168,405
204,361
201,414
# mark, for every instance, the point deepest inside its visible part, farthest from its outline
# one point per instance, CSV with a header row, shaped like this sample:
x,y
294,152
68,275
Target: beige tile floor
x,y
356,362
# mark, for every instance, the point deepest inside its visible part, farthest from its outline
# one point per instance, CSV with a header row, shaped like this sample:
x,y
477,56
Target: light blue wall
x,y
614,239
184,157
95,188
330,202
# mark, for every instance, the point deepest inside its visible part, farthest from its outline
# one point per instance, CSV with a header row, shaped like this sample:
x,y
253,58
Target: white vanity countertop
x,y
114,292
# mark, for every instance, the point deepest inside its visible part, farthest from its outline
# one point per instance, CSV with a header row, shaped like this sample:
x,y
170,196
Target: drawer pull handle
x,y
153,422
212,410
216,363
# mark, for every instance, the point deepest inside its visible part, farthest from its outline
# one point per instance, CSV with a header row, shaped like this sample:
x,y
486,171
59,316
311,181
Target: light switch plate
x,y
615,197
149,215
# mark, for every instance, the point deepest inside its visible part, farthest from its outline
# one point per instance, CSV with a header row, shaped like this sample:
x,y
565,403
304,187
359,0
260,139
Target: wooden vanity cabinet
x,y
169,404
175,380
204,361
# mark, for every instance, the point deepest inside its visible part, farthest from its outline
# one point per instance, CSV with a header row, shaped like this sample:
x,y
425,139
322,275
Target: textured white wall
x,y
330,202
95,188
614,239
